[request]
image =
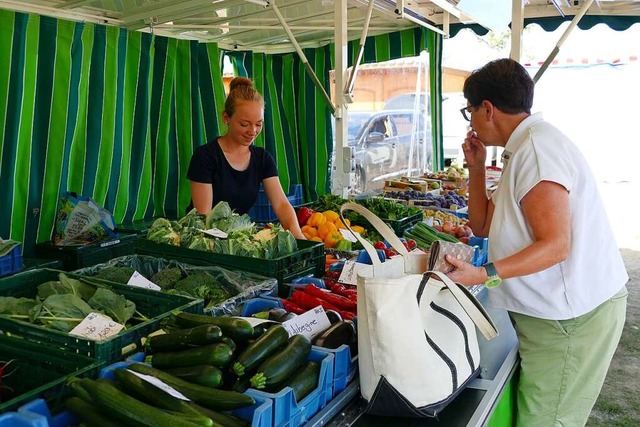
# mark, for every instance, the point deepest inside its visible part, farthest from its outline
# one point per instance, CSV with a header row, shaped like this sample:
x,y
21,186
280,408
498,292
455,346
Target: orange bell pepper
x,y
332,239
325,228
341,224
309,231
316,219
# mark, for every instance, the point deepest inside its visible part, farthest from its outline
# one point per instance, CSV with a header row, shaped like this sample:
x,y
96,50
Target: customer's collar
x,y
517,137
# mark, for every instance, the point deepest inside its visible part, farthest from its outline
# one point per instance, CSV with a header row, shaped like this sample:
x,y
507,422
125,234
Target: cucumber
x,y
182,339
132,411
89,413
206,375
224,420
304,381
278,367
143,390
233,327
259,350
211,398
218,354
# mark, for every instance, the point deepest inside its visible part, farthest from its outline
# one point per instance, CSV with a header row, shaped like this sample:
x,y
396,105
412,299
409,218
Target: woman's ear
x,y
225,118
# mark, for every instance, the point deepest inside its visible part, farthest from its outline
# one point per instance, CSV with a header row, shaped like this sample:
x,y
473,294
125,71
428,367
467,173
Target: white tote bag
x,y
417,343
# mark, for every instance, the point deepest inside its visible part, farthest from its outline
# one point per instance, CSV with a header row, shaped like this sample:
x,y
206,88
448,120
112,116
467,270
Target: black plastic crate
x,y
74,257
154,305
37,371
307,260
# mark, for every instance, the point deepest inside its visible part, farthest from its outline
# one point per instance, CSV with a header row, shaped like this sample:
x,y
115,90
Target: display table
x,y
486,401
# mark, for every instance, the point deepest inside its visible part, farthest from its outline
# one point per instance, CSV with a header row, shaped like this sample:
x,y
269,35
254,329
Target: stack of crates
x,y
262,211
11,262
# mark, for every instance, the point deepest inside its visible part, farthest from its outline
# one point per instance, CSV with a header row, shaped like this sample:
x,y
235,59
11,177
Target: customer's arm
x,y
281,206
548,214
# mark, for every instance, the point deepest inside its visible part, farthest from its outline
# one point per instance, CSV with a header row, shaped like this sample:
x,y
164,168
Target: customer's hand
x,y
466,274
475,153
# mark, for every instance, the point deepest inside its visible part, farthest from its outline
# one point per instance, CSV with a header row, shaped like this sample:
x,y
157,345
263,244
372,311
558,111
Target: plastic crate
x,y
139,227
16,419
39,371
344,366
239,284
308,259
154,305
11,262
289,413
398,226
259,414
262,211
74,257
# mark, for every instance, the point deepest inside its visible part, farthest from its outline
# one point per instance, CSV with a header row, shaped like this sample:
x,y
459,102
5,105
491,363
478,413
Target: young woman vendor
x,y
231,168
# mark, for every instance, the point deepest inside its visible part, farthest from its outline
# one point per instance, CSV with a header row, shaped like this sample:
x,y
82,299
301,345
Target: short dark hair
x,y
503,82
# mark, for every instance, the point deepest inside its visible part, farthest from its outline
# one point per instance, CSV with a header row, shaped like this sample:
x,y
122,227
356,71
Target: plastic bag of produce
x,y
80,221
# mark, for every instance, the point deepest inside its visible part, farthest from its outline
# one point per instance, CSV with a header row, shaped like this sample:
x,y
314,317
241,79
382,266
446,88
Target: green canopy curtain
x,y
101,111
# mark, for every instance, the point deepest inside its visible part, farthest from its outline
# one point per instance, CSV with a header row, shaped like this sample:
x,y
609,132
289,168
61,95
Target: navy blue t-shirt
x,y
238,188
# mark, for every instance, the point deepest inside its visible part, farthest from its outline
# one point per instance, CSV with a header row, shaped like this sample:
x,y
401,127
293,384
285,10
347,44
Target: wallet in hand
x,y
440,248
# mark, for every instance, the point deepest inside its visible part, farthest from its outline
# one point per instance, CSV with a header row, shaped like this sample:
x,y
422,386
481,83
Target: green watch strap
x,y
493,280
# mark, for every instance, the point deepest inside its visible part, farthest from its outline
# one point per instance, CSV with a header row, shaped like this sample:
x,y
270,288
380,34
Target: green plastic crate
x,y
40,372
154,305
75,257
398,226
308,259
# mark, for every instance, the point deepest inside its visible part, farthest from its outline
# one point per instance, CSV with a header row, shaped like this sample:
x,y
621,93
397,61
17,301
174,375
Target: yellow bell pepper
x,y
332,239
340,224
325,228
331,215
316,239
358,229
309,231
316,219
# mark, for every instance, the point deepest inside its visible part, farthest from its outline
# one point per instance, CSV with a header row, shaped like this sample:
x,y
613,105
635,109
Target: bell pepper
x,y
331,239
304,213
316,219
343,245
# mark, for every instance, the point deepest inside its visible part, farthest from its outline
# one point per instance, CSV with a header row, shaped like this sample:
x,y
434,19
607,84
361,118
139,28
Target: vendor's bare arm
x,y
281,206
202,196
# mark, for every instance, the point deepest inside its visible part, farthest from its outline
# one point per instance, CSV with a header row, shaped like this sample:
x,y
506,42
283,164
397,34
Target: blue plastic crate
x,y
17,419
481,245
262,211
259,414
11,262
289,413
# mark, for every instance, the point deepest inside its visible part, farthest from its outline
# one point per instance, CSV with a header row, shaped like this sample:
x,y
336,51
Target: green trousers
x,y
563,363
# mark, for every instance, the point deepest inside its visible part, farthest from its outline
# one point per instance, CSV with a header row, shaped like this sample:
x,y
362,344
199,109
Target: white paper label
x,y
96,327
255,321
216,233
309,324
349,235
162,386
139,281
349,274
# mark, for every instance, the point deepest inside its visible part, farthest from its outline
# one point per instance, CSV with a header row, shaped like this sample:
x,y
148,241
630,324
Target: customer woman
x,y
231,168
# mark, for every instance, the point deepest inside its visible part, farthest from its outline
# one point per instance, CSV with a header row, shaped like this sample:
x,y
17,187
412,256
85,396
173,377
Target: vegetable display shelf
x,y
37,371
345,367
153,305
259,414
238,285
308,259
74,257
11,262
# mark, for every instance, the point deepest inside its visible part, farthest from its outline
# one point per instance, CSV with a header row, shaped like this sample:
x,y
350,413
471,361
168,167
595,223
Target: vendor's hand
x,y
466,274
475,152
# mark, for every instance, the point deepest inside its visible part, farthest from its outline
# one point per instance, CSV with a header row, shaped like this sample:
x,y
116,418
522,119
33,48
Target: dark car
x,y
383,145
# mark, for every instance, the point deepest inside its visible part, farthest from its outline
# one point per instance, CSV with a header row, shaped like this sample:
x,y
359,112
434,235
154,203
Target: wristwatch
x,y
493,280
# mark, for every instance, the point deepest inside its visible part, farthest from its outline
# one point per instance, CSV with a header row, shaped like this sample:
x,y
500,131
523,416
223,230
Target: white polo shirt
x,y
593,271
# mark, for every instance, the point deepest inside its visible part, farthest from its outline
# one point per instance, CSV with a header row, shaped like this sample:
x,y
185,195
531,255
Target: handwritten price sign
x,y
96,327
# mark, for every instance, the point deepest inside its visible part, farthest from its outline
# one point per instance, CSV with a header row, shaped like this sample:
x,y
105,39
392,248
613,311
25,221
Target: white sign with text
x,y
97,327
349,275
309,324
139,281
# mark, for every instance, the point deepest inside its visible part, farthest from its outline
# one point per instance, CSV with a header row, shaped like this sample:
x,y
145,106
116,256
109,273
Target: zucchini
x,y
179,340
132,411
259,350
211,398
89,413
235,328
224,420
231,343
278,367
143,390
75,384
337,334
304,381
206,375
218,354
